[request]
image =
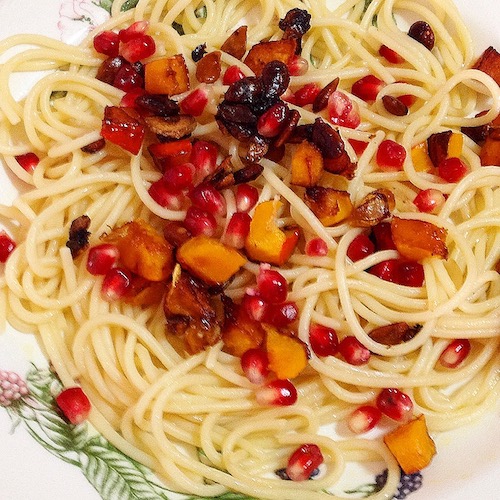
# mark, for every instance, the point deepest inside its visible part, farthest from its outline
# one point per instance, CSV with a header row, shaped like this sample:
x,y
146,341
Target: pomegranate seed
x,y
363,419
101,258
206,197
390,156
7,246
316,247
409,274
254,305
194,103
390,55
133,31
342,111
303,462
323,340
128,100
277,393
204,157
288,96
74,404
237,230
232,75
385,270
161,194
107,43
367,88
429,201
353,351
455,352
281,315
246,197
452,169
179,177
271,122
254,364
199,221
272,285
408,100
28,161
306,94
138,48
395,404
297,66
128,78
358,146
115,284
360,247
383,236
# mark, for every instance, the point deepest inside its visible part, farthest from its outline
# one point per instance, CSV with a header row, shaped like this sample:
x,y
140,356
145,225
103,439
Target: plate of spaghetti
x,y
250,249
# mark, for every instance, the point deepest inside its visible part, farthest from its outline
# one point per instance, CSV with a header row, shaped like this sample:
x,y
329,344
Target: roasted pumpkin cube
x,y
167,75
236,44
489,63
143,250
490,150
442,145
307,165
411,445
417,239
265,52
331,206
241,333
420,158
209,260
287,354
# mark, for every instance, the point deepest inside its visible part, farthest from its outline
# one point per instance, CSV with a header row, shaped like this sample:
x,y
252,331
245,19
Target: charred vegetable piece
x,y
208,68
78,235
171,127
373,209
307,165
265,52
394,334
489,63
168,75
444,145
331,206
236,44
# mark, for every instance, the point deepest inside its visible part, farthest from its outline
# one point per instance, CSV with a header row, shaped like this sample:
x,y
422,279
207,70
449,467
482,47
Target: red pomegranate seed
x,y
395,404
128,78
455,352
140,47
179,177
342,111
128,100
358,146
452,169
161,194
306,94
107,43
303,462
133,31
390,156
409,273
272,285
74,404
297,66
237,230
383,236
390,55
232,75
360,247
386,270
316,247
246,197
429,200
271,122
254,364
408,100
28,161
281,315
277,393
204,157
363,419
195,102
288,96
199,221
353,351
101,258
115,284
254,305
206,197
7,246
323,340
367,88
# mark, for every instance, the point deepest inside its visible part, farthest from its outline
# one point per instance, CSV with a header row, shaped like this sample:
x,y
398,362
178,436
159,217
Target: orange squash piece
x,y
288,355
331,206
241,333
143,250
167,75
411,445
264,52
307,165
417,239
209,260
420,158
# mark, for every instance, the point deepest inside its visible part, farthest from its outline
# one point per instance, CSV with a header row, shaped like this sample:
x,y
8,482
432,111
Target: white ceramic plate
x,y
466,467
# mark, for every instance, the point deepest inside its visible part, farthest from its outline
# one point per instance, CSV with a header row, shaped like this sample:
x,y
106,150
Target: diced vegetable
x,y
168,75
264,52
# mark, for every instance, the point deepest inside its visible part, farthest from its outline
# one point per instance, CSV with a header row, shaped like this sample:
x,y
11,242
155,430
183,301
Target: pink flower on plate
x,y
12,388
78,17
